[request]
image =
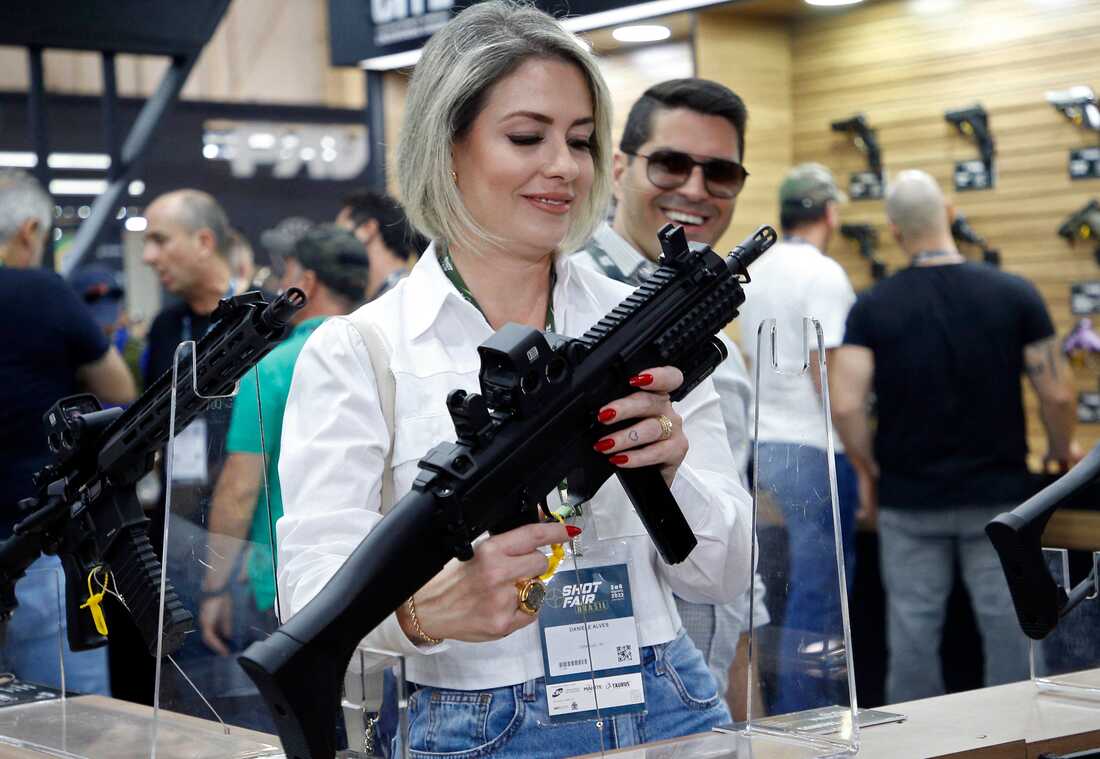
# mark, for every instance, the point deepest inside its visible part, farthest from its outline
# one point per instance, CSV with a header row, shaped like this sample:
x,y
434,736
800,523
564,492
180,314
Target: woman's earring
x,y
454,176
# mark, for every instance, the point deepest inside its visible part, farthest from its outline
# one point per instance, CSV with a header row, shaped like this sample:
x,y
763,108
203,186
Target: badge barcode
x,y
625,653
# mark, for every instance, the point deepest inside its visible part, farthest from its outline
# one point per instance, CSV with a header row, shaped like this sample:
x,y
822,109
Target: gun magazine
x,y
136,571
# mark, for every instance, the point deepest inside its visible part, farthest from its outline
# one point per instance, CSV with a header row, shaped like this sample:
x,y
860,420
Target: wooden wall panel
x,y
752,56
904,69
265,51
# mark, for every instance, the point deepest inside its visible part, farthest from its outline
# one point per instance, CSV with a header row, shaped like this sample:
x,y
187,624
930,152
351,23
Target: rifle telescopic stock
x,y
532,425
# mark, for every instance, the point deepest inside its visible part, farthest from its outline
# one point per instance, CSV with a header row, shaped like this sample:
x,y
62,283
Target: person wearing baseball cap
x,y
794,280
329,264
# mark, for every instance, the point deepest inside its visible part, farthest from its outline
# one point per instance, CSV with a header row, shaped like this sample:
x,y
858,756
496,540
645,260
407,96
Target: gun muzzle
x,y
754,246
279,312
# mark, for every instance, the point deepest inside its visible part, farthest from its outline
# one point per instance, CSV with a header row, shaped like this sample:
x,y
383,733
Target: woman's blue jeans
x,y
512,723
796,479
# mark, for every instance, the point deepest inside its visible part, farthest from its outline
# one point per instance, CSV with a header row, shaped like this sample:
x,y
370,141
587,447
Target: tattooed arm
x,y
1050,376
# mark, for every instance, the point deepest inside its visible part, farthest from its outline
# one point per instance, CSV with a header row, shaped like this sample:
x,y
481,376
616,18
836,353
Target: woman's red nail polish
x,y
641,380
619,458
605,445
606,415
573,531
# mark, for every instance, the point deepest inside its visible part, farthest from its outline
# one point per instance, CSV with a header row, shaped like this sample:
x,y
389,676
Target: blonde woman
x,y
504,164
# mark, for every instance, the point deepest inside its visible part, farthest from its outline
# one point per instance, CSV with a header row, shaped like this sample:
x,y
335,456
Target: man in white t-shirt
x,y
795,279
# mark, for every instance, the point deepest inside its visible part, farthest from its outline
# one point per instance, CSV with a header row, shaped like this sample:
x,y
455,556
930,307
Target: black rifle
x,y
865,138
974,122
866,237
86,509
964,233
1017,537
533,425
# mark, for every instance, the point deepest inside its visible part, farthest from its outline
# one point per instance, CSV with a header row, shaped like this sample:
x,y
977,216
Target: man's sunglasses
x,y
669,169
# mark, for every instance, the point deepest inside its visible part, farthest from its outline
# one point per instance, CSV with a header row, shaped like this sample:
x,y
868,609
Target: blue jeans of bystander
x,y
918,551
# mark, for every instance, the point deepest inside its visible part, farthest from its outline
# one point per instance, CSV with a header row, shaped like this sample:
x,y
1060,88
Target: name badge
x,y
189,454
590,644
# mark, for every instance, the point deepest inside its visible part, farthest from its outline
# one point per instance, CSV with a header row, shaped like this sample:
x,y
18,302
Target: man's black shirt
x,y
172,326
948,347
46,334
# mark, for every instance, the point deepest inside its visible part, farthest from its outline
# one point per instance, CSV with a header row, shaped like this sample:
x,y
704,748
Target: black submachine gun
x,y
86,509
533,425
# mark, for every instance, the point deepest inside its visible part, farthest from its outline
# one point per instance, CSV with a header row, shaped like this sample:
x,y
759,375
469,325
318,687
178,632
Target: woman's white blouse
x,y
335,441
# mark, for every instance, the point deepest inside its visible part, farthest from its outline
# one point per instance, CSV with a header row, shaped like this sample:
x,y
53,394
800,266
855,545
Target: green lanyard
x,y
448,266
451,271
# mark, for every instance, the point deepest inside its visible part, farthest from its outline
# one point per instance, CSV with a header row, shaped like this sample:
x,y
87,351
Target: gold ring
x,y
666,427
531,594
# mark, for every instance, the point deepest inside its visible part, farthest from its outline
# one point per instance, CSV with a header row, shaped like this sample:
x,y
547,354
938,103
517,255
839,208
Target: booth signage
x,y
1084,298
865,185
360,30
973,175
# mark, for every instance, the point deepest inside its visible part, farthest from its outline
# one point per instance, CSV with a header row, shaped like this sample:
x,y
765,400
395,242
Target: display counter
x,y
1005,722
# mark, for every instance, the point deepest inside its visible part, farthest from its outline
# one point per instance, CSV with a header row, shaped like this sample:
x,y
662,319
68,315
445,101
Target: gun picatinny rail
x,y
532,425
86,509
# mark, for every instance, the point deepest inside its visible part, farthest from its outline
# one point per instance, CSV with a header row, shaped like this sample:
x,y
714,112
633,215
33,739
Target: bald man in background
x,y
943,344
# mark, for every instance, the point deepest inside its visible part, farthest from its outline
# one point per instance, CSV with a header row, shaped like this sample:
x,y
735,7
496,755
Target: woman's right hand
x,y
477,600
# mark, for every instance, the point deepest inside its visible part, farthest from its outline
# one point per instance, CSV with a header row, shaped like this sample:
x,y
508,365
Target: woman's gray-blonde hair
x,y
461,62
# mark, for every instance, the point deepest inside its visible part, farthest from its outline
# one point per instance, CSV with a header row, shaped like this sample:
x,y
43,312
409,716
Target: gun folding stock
x,y
1017,537
965,234
866,237
532,426
865,139
973,122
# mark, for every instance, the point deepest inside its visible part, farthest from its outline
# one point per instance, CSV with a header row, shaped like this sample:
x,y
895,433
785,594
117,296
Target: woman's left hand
x,y
645,442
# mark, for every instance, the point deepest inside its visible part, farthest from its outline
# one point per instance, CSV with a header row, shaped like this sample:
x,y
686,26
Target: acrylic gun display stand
x,y
197,680
804,655
1059,660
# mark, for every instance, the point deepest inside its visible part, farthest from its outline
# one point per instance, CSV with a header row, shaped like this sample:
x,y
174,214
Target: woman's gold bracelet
x,y
418,629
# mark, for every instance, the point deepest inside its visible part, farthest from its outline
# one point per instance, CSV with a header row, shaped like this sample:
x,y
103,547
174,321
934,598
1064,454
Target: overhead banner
x,y
382,33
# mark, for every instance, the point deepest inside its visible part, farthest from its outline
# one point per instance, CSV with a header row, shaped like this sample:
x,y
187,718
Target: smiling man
x,y
679,162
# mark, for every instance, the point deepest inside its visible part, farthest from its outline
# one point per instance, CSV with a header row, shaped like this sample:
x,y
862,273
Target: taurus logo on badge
x,y
557,692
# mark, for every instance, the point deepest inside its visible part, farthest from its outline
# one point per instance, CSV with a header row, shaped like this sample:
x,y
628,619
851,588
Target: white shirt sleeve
x,y
717,507
829,299
334,445
731,380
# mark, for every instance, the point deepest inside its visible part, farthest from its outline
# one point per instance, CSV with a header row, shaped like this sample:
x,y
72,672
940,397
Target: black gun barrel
x,y
276,317
744,255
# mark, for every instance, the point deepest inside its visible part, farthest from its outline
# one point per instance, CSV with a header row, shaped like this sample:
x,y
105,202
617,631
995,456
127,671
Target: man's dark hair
x,y
793,214
699,95
393,225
